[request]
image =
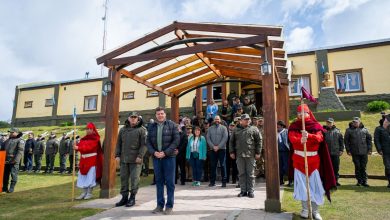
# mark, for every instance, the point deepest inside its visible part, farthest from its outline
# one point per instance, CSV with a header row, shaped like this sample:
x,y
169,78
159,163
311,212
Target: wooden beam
x,y
280,62
242,51
186,78
178,73
199,102
274,43
185,51
178,89
279,53
221,56
209,35
170,67
283,104
272,202
281,69
175,109
235,29
240,75
182,35
224,63
209,94
150,65
224,93
135,43
241,70
111,134
144,82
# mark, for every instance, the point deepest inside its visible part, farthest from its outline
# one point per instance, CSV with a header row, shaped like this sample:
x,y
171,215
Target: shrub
x,y
66,123
376,106
4,124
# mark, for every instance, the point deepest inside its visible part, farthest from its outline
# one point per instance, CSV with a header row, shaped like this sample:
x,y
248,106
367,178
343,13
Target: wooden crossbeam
x,y
135,44
241,75
224,63
150,65
178,73
236,29
281,69
178,89
182,35
241,50
170,67
185,51
209,35
144,82
231,57
274,43
279,53
240,70
186,78
280,62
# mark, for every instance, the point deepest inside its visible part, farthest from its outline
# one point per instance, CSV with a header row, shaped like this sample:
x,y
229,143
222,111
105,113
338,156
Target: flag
x,y
74,115
306,95
322,68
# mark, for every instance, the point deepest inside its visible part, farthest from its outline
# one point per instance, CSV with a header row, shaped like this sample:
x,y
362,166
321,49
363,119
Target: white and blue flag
x,y
74,115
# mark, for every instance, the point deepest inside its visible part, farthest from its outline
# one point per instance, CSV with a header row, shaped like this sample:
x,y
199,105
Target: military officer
x,y
130,150
38,152
245,146
51,152
14,148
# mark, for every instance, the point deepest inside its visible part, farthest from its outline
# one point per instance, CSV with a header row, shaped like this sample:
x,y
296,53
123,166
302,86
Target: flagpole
x,y
74,153
306,163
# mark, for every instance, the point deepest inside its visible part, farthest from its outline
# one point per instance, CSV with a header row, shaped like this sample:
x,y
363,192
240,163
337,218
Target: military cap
x,y
330,120
245,116
16,130
356,119
133,114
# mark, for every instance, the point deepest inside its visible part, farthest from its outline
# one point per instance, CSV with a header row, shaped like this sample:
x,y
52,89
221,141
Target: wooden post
x,y
209,93
272,202
199,103
283,104
223,92
175,109
111,135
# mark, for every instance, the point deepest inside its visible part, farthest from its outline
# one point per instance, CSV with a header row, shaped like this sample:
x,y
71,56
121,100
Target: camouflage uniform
x,y
51,151
260,164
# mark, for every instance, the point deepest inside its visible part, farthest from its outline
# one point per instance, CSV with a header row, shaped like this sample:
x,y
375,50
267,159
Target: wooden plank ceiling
x,y
200,53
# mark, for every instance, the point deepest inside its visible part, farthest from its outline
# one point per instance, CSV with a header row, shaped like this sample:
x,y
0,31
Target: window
x,y
49,102
128,95
349,81
90,103
28,104
151,93
297,83
217,92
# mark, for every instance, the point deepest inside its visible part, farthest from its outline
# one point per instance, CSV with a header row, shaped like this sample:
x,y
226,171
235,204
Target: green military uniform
x,y
14,148
63,150
245,144
260,164
51,151
38,152
71,151
130,146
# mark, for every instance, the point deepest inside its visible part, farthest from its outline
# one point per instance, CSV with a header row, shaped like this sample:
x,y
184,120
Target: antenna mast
x,y
104,18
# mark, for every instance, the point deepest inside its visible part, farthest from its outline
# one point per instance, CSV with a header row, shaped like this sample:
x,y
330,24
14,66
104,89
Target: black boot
x,y
131,201
123,200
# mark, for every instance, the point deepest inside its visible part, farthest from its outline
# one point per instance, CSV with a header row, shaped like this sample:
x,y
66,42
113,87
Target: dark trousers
x,y
206,168
386,162
71,162
220,156
63,162
50,158
145,165
283,165
231,168
38,161
197,167
336,165
360,162
28,162
10,170
180,164
164,171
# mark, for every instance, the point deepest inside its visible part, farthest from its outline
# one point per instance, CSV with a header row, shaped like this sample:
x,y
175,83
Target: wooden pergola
x,y
182,57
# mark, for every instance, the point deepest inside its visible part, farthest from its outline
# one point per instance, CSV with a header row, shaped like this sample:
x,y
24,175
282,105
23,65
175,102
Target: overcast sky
x,y
46,40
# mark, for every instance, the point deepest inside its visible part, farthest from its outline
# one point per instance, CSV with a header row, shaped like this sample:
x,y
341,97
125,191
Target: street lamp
x,y
107,87
266,67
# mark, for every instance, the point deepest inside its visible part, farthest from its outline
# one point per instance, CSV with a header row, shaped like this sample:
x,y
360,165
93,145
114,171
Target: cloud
x,y
300,39
222,9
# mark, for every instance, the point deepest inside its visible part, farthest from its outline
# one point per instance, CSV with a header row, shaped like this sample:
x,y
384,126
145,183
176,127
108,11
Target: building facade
x,y
360,73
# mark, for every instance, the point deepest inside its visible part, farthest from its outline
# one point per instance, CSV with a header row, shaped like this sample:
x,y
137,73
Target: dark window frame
x,y
151,96
123,95
28,106
296,77
89,96
348,71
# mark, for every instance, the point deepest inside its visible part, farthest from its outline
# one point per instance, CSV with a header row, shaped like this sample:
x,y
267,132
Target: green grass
x,y
350,201
39,196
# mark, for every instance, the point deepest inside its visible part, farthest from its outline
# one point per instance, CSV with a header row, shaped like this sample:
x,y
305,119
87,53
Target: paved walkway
x,y
191,203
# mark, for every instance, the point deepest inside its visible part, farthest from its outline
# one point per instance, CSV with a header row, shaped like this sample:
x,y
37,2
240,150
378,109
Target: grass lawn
x,y
350,201
39,196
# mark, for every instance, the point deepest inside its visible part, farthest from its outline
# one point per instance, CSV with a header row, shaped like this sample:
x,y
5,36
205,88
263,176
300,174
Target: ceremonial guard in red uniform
x,y
320,171
91,161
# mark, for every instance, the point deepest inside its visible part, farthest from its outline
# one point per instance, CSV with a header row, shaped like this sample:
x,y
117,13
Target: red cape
x,y
91,144
326,168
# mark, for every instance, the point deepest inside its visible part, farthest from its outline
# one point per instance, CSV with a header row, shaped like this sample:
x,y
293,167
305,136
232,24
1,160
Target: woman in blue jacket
x,y
196,154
